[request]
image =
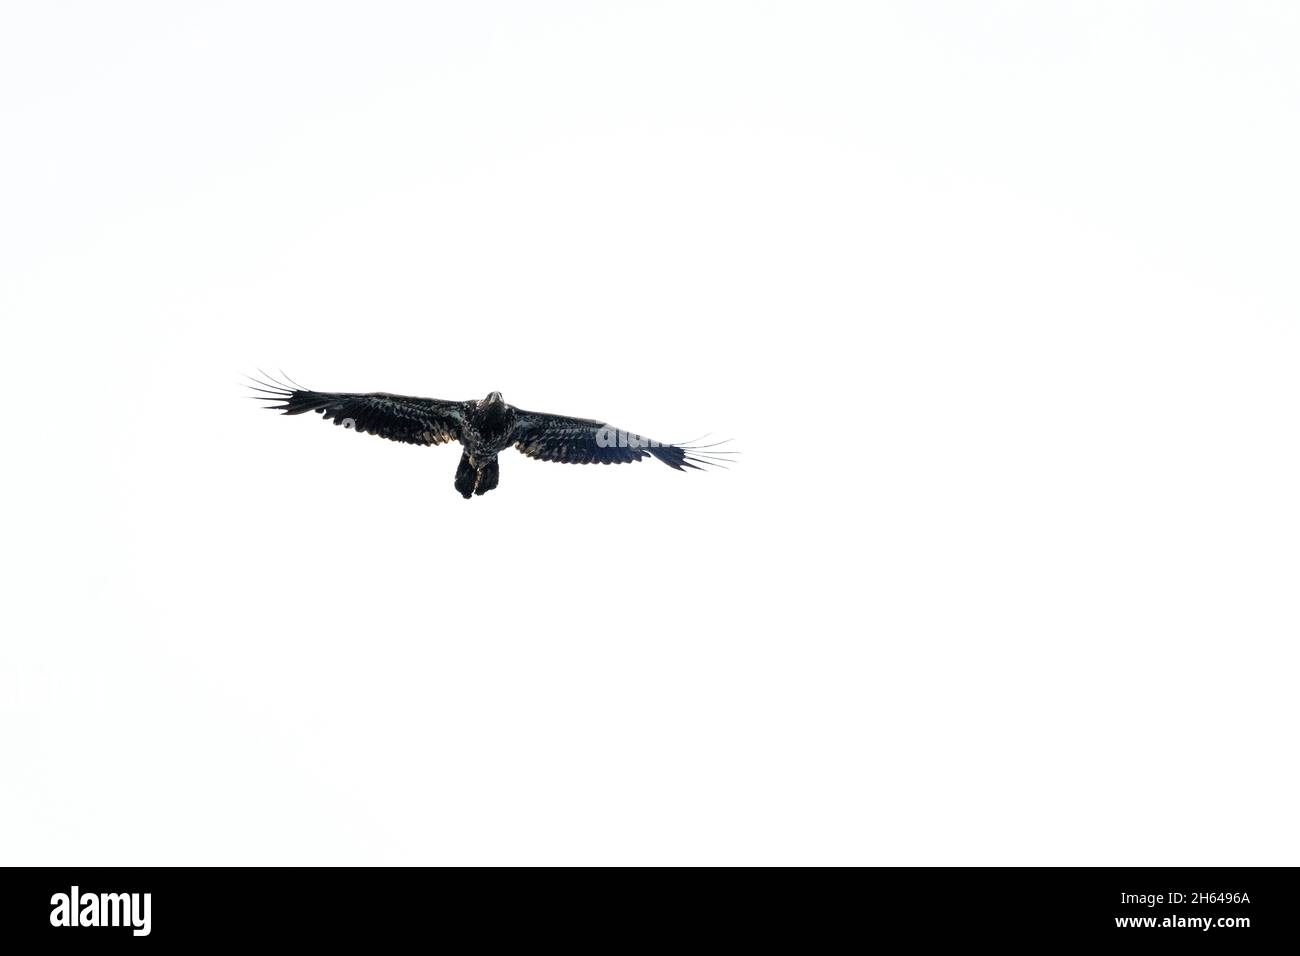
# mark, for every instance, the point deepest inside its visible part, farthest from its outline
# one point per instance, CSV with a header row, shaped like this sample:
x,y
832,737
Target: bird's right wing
x,y
404,418
585,441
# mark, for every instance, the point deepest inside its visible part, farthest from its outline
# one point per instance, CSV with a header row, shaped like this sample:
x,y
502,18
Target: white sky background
x,y
1000,302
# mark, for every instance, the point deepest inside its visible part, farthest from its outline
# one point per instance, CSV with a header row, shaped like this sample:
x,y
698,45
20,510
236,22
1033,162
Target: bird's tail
x,y
471,481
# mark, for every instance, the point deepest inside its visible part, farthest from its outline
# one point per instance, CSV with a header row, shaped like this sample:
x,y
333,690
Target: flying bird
x,y
484,428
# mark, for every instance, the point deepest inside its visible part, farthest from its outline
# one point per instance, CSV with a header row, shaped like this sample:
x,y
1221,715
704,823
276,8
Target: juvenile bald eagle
x,y
484,428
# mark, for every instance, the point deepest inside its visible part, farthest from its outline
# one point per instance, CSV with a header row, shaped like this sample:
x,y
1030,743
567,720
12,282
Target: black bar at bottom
x,y
385,907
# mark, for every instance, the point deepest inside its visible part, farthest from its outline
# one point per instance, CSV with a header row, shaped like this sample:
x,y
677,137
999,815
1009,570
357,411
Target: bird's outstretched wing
x,y
585,441
404,418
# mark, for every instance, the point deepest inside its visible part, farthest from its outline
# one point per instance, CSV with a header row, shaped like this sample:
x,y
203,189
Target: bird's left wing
x,y
404,418
586,441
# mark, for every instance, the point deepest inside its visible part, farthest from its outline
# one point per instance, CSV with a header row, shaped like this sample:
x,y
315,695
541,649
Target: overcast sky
x,y
999,300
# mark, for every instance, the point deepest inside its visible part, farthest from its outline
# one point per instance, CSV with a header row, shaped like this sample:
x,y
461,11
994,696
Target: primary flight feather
x,y
484,428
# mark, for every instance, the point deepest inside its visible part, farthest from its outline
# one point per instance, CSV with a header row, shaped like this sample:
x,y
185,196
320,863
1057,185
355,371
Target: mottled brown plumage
x,y
484,428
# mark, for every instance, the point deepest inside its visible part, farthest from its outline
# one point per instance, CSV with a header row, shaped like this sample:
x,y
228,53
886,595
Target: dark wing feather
x,y
585,441
404,418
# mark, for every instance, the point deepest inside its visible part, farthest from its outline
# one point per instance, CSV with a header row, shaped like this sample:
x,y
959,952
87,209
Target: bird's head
x,y
493,398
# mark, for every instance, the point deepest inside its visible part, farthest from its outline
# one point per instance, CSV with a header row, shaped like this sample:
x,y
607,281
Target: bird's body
x,y
484,429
